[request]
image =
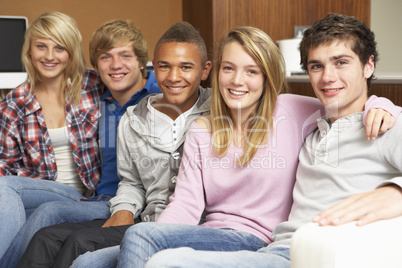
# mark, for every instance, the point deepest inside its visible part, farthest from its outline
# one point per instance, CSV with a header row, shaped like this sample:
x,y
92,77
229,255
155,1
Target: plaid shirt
x,y
25,146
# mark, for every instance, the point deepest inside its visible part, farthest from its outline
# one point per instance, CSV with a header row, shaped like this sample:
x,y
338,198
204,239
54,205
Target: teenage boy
x,y
149,146
342,177
119,53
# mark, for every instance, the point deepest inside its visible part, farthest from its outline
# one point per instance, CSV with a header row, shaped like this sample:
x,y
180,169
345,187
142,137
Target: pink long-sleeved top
x,y
252,198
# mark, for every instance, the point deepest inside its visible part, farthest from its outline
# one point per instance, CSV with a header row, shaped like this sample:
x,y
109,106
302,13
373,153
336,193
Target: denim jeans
x,y
101,258
143,240
274,257
20,196
52,213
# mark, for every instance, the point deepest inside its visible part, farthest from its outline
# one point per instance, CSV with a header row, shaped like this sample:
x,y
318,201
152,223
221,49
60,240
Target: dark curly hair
x,y
340,27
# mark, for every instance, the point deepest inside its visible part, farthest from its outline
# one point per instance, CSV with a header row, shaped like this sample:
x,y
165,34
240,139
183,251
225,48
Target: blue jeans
x,y
19,198
143,240
267,257
52,213
101,258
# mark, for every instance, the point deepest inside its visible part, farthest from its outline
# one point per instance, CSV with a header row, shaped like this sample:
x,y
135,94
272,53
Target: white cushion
x,y
376,245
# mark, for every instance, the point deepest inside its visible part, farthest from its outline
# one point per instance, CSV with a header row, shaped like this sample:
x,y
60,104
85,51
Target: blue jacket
x,y
111,113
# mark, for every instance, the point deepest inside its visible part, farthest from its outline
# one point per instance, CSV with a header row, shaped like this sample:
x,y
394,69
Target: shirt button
x,y
176,155
112,107
173,179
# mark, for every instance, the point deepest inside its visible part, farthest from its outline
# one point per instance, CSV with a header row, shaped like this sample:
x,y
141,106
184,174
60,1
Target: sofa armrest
x,y
378,244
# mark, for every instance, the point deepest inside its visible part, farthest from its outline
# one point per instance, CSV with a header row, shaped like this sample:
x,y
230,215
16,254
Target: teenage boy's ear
x,y
205,70
369,67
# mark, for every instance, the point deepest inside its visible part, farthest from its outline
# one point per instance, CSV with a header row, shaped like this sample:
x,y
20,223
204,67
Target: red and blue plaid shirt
x,y
25,146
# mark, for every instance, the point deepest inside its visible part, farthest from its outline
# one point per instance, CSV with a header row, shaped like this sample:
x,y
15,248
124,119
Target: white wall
x,y
386,23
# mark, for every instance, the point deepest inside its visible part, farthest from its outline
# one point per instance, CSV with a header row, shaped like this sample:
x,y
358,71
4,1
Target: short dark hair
x,y
184,32
340,27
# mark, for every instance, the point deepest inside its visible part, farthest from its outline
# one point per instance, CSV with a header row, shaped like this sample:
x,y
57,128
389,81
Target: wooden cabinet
x,y
390,91
214,18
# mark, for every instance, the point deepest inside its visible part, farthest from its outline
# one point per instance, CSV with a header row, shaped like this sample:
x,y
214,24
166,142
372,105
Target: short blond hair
x,y
114,33
63,30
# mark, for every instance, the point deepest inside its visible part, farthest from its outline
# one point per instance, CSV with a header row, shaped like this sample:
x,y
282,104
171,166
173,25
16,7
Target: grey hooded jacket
x,y
147,168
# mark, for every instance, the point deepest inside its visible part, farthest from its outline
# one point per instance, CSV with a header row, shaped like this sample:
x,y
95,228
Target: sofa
x,y
376,245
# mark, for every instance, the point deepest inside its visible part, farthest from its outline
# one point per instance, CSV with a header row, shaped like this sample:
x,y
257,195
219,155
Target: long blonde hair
x,y
61,29
268,57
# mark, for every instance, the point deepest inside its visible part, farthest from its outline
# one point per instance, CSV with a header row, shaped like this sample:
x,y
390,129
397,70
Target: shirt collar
x,y
324,123
107,97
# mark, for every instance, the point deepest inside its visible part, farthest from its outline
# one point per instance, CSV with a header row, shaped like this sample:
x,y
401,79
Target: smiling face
x,y
179,71
240,80
338,78
48,58
120,70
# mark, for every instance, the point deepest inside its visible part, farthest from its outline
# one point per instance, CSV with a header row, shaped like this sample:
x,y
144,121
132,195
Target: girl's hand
x,y
378,122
